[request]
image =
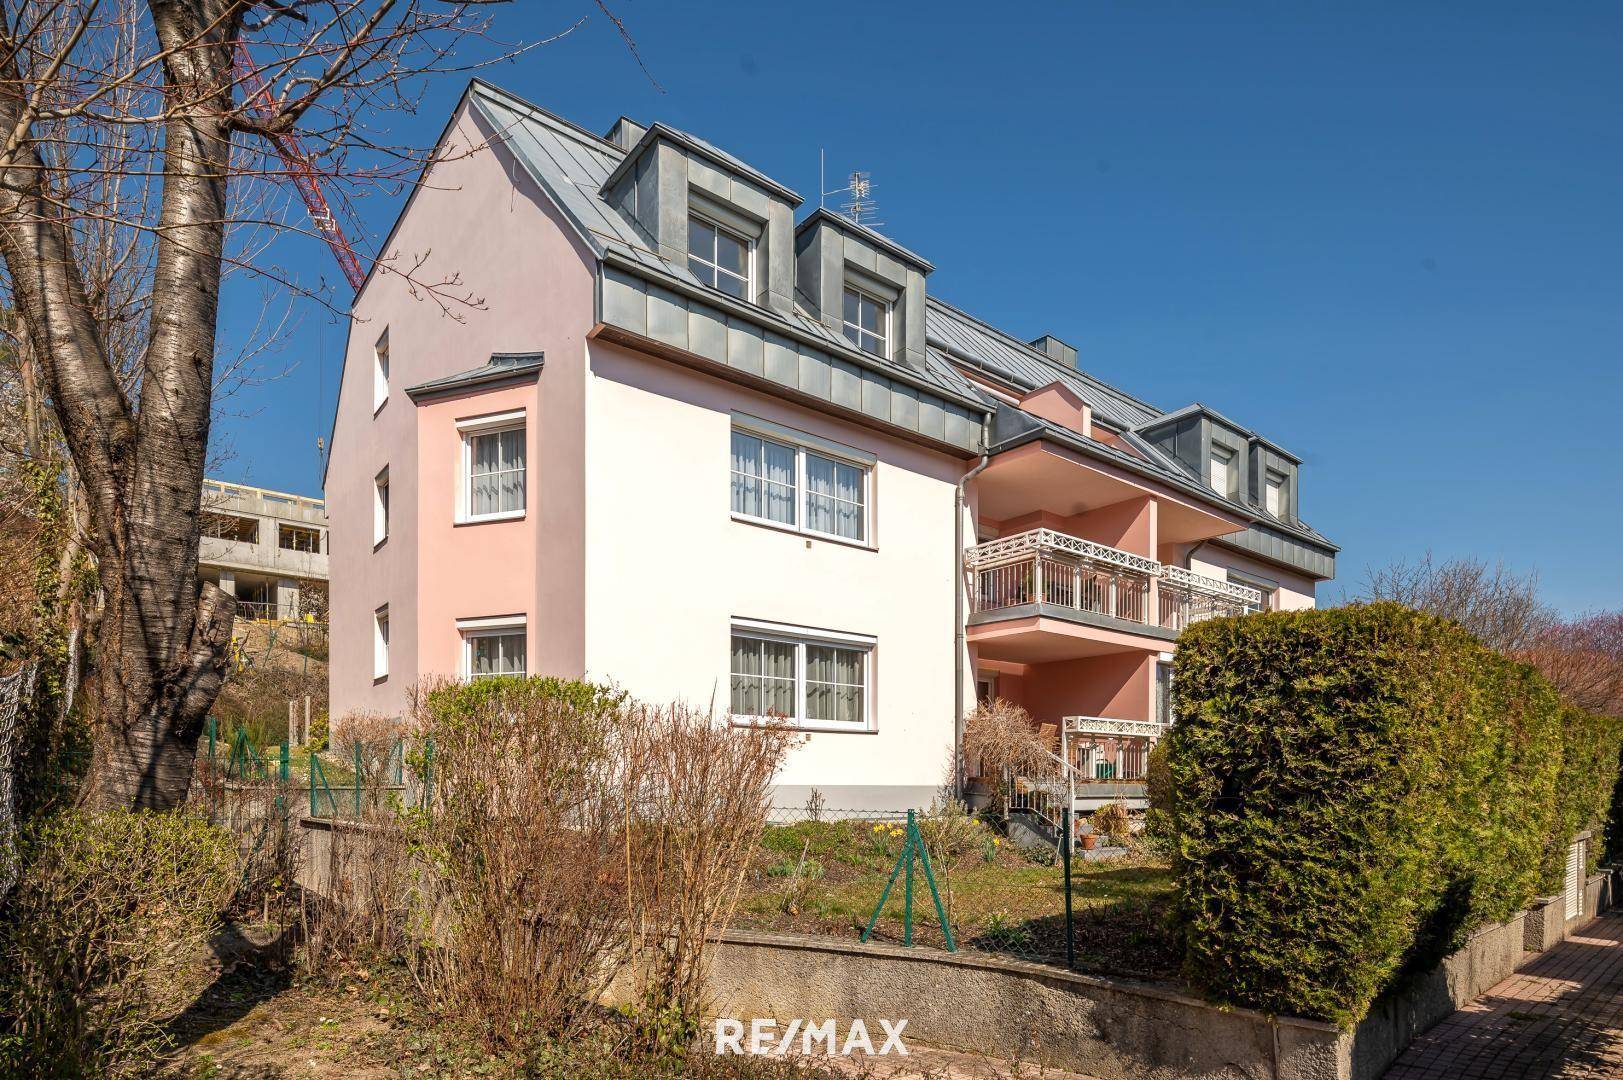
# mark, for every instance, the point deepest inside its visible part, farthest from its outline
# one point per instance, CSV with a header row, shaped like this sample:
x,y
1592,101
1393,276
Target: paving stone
x,y
1559,1016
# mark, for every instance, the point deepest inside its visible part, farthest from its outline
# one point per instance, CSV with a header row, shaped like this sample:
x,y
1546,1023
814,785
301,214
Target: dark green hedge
x,y
1355,791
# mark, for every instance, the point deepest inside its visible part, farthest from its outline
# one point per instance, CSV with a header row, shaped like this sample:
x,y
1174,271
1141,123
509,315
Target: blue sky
x,y
1387,236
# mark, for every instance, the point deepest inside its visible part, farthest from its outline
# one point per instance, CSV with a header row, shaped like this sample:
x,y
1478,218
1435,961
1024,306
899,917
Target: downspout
x,y
959,642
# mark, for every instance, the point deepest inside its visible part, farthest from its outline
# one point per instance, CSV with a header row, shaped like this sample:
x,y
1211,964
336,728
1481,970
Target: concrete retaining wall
x,y
1111,1028
1415,1006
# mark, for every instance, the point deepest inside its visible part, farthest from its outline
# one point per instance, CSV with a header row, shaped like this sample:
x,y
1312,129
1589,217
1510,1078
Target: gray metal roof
x,y
1012,360
501,366
706,148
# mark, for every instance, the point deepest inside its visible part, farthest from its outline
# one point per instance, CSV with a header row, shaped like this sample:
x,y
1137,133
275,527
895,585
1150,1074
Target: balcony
x,y
1066,574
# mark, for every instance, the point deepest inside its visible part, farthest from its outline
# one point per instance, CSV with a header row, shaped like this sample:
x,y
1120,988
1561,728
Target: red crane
x,y
300,169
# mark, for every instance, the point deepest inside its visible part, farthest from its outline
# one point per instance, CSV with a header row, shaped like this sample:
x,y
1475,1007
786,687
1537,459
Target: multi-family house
x,y
688,443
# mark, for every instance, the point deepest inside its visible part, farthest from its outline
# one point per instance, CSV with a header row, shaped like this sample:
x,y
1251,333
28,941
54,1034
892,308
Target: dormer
x,y
1231,460
863,286
699,207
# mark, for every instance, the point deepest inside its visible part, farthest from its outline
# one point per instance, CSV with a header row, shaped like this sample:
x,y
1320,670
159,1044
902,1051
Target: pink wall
x,y
479,219
1129,525
1120,686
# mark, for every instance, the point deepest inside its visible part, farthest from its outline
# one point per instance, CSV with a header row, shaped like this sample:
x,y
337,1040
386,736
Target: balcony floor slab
x,y
1039,633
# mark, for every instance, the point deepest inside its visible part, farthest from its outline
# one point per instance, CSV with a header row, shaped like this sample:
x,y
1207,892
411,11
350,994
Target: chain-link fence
x,y
962,883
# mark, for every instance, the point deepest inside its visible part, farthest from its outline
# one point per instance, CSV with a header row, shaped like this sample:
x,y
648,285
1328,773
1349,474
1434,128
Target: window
x,y
239,530
764,478
811,681
1276,493
1222,467
493,468
867,322
380,508
1163,692
719,258
768,477
380,372
380,643
298,538
492,647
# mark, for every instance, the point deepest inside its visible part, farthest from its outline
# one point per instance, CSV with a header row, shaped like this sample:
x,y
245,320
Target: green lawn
x,y
826,877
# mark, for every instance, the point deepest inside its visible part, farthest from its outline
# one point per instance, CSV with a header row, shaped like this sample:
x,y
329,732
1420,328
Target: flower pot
x,y
1089,841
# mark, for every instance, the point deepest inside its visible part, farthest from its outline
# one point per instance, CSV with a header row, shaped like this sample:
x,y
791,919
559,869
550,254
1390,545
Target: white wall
x,y
668,569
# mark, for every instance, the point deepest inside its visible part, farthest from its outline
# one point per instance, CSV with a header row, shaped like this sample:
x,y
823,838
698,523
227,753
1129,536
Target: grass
x,y
825,877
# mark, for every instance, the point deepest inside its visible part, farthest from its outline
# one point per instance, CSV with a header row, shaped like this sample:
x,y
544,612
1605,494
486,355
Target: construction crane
x,y
300,169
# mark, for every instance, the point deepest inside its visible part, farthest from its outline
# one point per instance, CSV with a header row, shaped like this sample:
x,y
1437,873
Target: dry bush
x,y
578,836
697,799
370,739
101,936
1112,822
1003,738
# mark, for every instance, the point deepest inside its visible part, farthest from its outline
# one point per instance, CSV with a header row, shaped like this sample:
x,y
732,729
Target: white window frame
x,y
380,372
380,643
380,507
495,626
749,257
1225,457
493,424
885,306
803,443
801,637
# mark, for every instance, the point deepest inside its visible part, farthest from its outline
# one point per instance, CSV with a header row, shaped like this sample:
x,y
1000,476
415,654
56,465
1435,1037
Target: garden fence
x,y
825,871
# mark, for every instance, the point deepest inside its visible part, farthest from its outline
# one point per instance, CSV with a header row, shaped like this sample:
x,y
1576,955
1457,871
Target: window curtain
x,y
497,478
834,684
763,479
833,497
763,678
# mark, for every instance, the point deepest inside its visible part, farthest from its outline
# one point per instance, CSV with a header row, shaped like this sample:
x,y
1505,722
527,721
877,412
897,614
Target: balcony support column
x,y
228,581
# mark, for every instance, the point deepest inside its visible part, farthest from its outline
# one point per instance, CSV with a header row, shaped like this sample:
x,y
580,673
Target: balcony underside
x,y
1040,633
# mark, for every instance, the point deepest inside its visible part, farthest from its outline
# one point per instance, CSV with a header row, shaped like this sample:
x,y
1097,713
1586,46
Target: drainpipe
x,y
959,639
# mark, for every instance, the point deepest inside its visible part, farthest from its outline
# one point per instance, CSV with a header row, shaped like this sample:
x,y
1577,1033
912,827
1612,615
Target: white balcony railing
x,y
1047,567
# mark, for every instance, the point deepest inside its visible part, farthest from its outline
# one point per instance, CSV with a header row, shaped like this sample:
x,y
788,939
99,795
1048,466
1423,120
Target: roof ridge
x,y
1039,355
513,100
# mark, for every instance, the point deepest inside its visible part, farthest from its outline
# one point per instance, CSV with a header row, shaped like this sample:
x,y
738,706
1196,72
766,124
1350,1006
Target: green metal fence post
x,y
286,763
1065,854
357,779
313,768
428,774
935,894
907,890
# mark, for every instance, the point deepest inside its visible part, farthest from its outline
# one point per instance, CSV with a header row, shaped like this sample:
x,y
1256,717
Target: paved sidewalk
x,y
1561,1015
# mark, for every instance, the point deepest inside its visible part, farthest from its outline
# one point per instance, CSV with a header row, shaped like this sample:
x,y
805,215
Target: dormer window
x,y
867,322
719,258
1276,493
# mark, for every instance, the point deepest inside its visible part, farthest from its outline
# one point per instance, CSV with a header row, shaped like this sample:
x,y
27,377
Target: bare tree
x,y
1583,657
146,132
1500,607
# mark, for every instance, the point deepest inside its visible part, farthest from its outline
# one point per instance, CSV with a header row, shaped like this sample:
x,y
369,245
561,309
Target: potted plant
x,y
1089,841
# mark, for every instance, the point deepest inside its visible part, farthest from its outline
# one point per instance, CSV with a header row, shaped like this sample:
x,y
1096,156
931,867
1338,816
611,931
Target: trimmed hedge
x,y
1354,791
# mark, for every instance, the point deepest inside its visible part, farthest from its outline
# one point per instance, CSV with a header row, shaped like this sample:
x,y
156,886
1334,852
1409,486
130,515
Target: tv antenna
x,y
859,204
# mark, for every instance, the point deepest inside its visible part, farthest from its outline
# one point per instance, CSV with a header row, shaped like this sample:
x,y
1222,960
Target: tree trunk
x,y
164,641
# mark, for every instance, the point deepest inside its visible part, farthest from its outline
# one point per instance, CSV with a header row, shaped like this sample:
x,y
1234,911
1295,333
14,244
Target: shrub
x,y
108,917
1356,790
1111,822
578,835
